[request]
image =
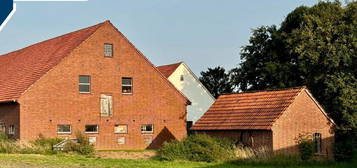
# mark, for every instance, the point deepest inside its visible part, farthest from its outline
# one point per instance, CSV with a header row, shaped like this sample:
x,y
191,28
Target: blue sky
x,y
202,33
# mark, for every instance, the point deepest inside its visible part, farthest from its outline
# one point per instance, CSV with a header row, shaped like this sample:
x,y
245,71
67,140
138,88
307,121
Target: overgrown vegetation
x,y
198,147
306,146
82,146
44,145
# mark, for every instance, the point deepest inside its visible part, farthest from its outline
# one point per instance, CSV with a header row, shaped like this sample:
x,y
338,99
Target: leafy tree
x,y
314,46
217,81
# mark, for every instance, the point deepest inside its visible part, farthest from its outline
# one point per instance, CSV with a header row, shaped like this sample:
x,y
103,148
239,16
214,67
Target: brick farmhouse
x,y
270,119
93,81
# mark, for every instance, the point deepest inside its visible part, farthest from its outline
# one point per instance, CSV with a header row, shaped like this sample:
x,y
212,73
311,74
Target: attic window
x,y
181,78
108,50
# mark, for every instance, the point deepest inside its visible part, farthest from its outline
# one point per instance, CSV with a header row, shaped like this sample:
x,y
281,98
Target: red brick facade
x,y
54,99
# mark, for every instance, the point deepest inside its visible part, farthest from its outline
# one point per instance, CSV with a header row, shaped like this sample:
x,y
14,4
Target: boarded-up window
x,y
148,140
92,140
121,129
121,140
106,105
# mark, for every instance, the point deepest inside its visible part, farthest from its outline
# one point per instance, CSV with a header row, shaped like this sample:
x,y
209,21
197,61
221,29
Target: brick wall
x,y
9,115
55,99
303,116
252,138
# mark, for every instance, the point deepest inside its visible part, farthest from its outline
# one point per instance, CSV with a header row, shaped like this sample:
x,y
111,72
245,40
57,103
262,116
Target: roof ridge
x,y
97,25
267,90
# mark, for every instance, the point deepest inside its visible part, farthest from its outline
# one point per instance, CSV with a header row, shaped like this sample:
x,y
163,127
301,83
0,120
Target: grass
x,y
82,161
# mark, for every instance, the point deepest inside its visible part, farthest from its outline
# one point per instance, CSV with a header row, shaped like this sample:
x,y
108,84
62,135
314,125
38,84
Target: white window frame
x,y
108,53
84,84
70,129
145,131
11,130
85,127
109,105
117,125
127,85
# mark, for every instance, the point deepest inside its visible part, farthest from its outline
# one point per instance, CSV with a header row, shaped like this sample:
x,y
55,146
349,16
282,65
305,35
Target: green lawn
x,y
62,160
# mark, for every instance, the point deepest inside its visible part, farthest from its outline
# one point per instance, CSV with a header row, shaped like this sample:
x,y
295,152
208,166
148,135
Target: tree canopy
x,y
217,81
314,46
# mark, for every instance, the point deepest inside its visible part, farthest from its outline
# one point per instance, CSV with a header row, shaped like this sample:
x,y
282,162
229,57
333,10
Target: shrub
x,y
197,147
306,146
82,146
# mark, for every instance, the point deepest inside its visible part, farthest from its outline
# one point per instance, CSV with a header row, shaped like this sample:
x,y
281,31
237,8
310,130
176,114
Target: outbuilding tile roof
x,y
21,68
167,70
251,110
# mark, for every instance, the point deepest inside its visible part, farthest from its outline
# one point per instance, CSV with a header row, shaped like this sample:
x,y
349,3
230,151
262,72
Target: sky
x,y
202,33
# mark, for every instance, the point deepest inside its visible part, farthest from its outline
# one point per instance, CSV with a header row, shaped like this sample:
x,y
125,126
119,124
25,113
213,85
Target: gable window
x,y
64,129
11,130
181,78
84,84
127,85
108,50
106,105
147,128
121,129
317,142
91,129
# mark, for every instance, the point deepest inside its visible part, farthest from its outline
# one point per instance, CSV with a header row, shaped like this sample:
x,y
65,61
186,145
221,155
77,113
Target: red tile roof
x,y
20,69
251,110
167,70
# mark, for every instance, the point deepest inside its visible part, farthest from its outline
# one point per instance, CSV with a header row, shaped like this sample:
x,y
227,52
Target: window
x,y
64,129
121,140
317,142
147,129
11,130
106,105
181,78
2,128
121,129
91,129
84,84
92,140
108,50
148,140
127,85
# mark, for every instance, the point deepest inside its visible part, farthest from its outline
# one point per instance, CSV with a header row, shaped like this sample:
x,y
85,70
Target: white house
x,y
181,76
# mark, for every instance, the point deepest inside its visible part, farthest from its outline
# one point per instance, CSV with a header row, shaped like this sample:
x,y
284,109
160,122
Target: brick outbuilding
x,y
95,81
271,119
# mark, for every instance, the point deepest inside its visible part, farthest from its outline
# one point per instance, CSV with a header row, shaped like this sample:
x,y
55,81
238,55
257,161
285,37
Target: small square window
x,y
92,140
64,129
108,50
91,129
121,129
148,140
11,129
121,140
147,128
84,84
127,85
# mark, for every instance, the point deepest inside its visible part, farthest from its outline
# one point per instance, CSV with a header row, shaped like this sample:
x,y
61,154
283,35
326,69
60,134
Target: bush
x,y
306,146
82,146
197,147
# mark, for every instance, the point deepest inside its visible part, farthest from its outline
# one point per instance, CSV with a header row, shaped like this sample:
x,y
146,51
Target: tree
x,y
217,81
314,46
